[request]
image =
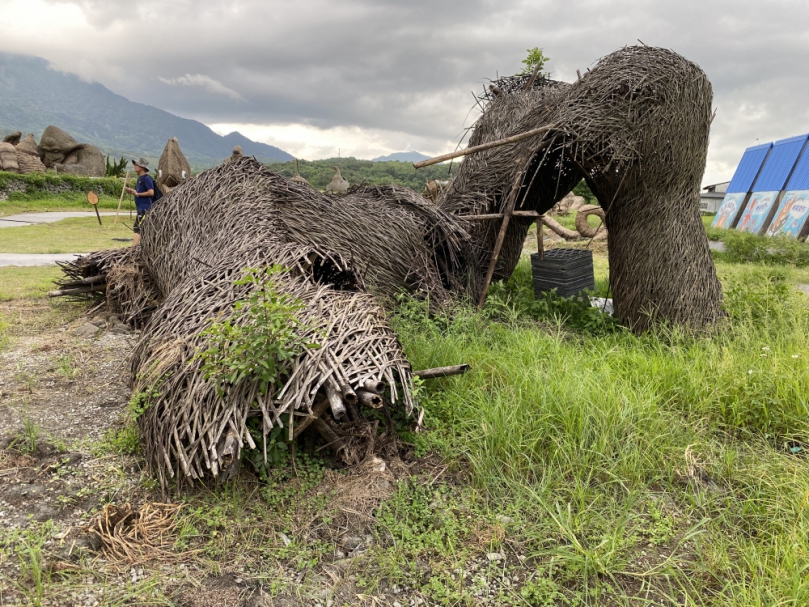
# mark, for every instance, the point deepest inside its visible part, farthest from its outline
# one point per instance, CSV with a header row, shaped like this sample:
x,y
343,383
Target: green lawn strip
x,y
74,235
27,282
65,202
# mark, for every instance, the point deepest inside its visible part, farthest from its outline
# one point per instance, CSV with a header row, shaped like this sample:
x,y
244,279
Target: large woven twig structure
x,y
635,127
344,256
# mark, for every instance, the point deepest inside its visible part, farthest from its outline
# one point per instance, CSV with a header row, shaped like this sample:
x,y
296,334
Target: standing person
x,y
143,192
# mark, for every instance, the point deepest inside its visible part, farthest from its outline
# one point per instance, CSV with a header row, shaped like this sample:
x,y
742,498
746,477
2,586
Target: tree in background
x,y
535,58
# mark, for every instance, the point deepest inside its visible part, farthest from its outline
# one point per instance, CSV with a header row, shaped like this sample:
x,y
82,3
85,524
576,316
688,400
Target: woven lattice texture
x,y
344,256
172,168
28,146
636,127
28,163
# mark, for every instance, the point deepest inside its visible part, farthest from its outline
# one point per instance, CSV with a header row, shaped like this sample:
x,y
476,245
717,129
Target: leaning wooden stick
x,y
121,199
442,371
501,236
484,146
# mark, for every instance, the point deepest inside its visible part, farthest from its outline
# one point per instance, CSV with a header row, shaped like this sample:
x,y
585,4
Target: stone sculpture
x,y
60,151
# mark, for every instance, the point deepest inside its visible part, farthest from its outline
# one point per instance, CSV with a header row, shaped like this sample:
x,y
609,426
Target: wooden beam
x,y
442,371
484,146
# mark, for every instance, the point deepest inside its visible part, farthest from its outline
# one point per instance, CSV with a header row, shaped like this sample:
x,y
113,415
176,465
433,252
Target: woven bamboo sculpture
x,y
636,127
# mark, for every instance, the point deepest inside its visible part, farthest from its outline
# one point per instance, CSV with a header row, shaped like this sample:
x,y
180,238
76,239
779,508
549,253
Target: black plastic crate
x,y
569,271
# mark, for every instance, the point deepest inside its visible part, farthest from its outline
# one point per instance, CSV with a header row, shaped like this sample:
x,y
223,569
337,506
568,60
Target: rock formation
x,y
13,139
60,151
172,168
337,185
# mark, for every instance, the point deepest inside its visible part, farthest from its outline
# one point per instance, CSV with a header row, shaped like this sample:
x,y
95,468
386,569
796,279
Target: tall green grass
x,y
599,441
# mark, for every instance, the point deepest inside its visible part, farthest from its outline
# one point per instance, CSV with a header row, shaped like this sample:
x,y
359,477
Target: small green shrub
x,y
113,168
71,186
741,247
260,339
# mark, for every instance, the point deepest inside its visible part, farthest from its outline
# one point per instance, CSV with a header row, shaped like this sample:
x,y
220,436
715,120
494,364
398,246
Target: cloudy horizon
x,y
368,78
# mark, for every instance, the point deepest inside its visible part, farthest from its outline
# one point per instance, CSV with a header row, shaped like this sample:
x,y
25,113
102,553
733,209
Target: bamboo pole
x,y
501,236
442,371
531,214
121,199
484,146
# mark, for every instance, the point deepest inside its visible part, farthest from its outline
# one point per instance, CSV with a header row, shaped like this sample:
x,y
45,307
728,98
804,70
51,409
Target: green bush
x,y
36,185
741,247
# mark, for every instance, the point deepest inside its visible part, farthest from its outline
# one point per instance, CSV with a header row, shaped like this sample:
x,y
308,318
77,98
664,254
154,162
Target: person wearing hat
x,y
143,192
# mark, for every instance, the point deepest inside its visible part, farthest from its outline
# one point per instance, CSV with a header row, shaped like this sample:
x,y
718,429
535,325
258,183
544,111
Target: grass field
x,y
74,235
605,468
66,202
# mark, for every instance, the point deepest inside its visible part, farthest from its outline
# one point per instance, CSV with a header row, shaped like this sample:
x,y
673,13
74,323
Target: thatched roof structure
x,y
172,168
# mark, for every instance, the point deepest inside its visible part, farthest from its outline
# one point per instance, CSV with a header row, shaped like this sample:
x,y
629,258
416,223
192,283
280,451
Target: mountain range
x,y
33,96
402,157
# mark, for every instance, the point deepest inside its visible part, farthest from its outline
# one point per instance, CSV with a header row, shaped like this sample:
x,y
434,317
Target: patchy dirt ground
x,y
302,535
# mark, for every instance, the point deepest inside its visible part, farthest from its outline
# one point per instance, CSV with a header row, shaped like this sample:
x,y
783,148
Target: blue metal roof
x,y
800,174
779,164
748,168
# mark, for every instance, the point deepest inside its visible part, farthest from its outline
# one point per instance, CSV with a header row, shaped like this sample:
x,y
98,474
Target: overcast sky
x,y
370,78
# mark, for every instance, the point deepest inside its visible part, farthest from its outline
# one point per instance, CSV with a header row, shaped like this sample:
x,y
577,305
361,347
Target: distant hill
x,y
319,172
33,96
402,157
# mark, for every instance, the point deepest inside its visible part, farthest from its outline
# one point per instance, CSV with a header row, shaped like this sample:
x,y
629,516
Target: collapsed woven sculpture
x,y
635,127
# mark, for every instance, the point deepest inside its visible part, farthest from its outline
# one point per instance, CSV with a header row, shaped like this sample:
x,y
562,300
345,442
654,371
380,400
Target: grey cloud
x,y
410,66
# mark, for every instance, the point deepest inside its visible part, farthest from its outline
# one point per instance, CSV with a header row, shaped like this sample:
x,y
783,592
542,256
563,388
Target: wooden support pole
x,y
484,146
120,200
540,239
501,236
